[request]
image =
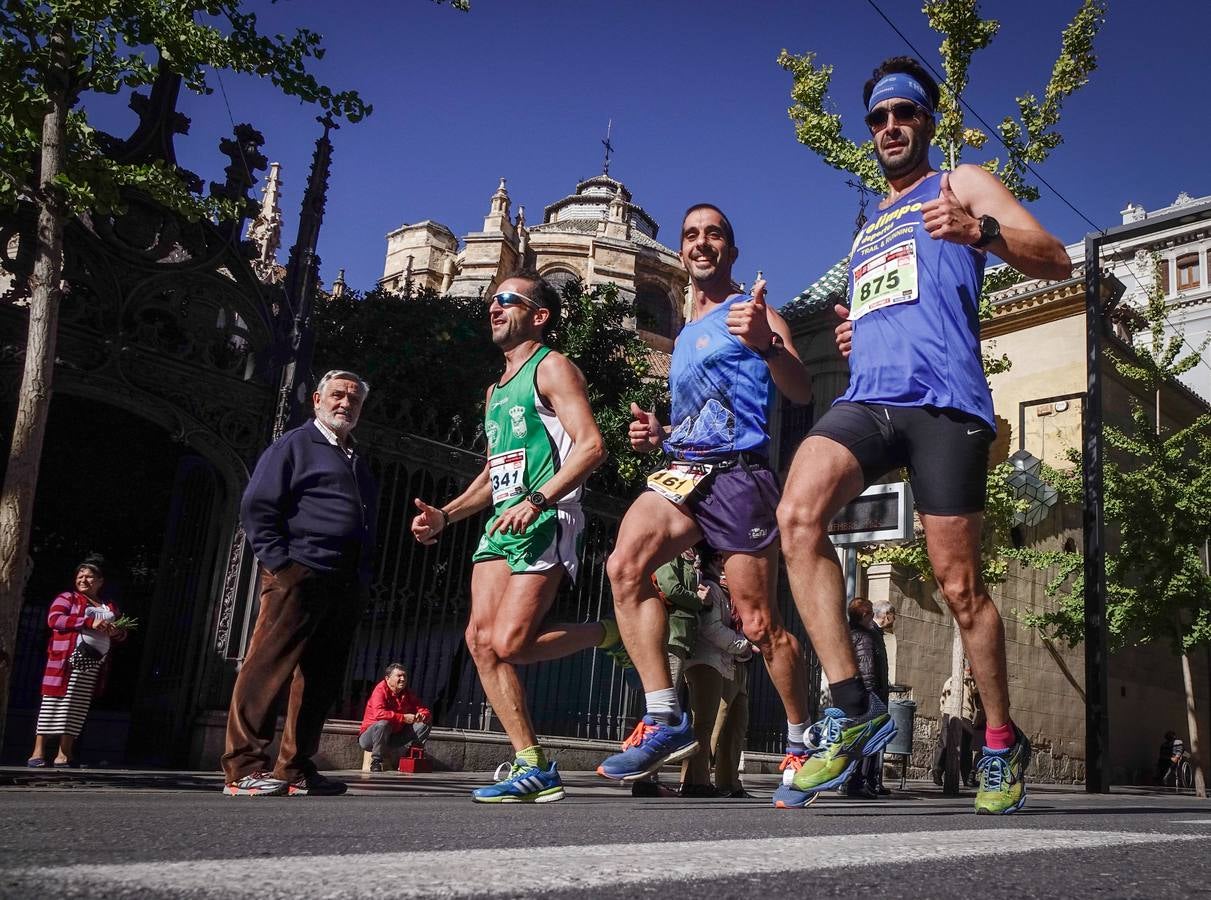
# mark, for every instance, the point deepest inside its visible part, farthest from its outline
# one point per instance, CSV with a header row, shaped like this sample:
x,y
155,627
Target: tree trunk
x,y
1196,754
33,402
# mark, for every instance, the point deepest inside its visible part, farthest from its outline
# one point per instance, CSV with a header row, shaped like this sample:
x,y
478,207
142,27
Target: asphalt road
x,y
175,835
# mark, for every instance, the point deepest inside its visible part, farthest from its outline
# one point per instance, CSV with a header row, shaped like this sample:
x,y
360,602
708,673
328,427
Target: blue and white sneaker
x,y
524,784
651,745
786,797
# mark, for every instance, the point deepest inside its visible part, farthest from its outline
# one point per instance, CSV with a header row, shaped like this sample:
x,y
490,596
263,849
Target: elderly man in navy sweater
x,y
309,513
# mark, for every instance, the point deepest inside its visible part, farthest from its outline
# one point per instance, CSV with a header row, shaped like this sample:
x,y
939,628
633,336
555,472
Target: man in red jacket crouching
x,y
394,717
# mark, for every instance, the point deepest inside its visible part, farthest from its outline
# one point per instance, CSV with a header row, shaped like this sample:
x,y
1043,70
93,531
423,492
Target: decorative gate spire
x,y
300,286
265,231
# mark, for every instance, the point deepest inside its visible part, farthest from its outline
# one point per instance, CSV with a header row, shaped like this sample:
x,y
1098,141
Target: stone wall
x,y
1045,682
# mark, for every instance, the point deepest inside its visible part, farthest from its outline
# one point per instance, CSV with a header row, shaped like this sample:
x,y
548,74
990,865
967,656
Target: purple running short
x,y
736,508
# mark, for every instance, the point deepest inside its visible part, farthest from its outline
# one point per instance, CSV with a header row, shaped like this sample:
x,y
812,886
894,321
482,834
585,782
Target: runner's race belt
x,y
682,478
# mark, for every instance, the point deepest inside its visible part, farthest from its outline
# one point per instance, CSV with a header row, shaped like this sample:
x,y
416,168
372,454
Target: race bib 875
x,y
885,280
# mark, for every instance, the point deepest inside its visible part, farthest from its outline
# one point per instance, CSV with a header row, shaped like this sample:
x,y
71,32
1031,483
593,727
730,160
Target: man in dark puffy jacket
x,y
867,638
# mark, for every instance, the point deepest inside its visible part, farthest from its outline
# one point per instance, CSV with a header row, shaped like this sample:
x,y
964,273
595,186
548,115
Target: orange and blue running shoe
x,y
651,745
844,742
786,797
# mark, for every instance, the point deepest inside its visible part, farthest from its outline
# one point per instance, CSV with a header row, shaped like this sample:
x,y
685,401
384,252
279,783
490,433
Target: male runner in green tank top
x,y
542,445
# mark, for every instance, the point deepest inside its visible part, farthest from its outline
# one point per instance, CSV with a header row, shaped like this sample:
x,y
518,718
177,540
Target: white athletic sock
x,y
796,734
663,706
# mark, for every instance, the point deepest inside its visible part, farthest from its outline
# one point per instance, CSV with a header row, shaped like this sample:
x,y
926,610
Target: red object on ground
x,y
415,761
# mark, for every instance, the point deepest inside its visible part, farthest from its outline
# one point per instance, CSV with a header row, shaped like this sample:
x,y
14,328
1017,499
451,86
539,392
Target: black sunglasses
x,y
903,112
510,298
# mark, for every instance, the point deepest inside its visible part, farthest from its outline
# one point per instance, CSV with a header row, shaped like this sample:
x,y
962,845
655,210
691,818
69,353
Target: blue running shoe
x,y
651,745
524,784
786,797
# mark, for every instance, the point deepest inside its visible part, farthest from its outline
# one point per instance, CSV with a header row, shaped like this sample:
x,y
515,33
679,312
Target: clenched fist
x,y
644,432
947,219
750,321
427,525
844,332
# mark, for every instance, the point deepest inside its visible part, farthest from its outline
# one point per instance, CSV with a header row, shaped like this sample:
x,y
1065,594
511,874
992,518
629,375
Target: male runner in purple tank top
x,y
917,399
716,486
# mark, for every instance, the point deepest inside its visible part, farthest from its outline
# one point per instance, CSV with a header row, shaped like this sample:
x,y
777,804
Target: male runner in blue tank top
x,y
716,486
917,398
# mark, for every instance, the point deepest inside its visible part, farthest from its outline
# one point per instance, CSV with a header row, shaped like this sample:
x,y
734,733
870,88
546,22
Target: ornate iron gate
x,y
420,601
176,624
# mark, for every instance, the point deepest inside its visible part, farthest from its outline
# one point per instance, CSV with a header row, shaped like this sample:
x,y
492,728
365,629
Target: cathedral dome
x,y
591,203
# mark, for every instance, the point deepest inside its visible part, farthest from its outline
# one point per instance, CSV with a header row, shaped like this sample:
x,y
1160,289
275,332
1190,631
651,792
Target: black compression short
x,y
944,450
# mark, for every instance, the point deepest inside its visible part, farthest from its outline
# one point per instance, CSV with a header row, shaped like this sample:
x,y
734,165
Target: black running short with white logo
x,y
944,450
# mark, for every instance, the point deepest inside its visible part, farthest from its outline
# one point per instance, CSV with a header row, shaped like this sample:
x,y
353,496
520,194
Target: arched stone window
x,y
654,311
560,278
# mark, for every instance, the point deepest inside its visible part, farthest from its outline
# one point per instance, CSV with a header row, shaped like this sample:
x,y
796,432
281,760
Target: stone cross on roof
x,y
609,148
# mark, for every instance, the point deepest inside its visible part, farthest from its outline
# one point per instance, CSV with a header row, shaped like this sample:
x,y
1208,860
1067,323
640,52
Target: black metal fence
x,y
420,601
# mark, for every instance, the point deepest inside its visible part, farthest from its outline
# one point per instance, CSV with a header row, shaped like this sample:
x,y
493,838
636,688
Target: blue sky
x,y
524,89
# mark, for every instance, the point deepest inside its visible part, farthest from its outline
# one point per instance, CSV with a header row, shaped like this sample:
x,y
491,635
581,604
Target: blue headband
x,y
902,86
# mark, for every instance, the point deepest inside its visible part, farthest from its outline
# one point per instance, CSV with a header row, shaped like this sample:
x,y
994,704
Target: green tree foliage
x,y
616,366
1156,484
73,49
430,358
417,349
1028,138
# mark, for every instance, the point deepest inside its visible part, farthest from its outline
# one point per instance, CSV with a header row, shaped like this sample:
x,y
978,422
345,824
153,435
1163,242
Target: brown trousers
x,y
731,730
297,604
706,688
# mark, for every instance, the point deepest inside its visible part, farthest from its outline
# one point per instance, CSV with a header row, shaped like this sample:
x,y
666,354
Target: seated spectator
x,y
1171,752
395,717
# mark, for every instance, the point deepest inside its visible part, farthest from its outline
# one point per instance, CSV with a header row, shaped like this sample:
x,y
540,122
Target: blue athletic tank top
x,y
721,391
916,347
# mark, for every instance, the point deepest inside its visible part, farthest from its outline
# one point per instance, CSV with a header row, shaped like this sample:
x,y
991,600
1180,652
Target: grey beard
x,y
340,426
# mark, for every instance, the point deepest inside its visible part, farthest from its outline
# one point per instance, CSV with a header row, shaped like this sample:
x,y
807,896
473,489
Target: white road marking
x,y
526,870
1192,821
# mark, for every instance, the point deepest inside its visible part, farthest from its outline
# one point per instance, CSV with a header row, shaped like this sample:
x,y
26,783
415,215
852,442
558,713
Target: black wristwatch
x,y
775,344
990,230
539,499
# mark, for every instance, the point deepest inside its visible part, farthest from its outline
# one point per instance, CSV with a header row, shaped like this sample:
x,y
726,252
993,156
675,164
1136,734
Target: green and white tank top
x,y
527,444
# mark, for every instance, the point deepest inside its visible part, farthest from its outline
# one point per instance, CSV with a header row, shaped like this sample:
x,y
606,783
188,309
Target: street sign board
x,y
882,512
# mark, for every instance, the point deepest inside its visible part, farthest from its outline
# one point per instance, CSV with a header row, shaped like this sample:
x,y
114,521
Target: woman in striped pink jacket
x,y
80,638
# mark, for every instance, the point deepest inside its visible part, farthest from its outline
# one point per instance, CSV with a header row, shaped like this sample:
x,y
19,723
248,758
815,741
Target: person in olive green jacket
x,y
677,582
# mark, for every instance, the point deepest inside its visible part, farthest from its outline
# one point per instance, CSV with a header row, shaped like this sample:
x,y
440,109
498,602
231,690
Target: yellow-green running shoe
x,y
844,743
1001,776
